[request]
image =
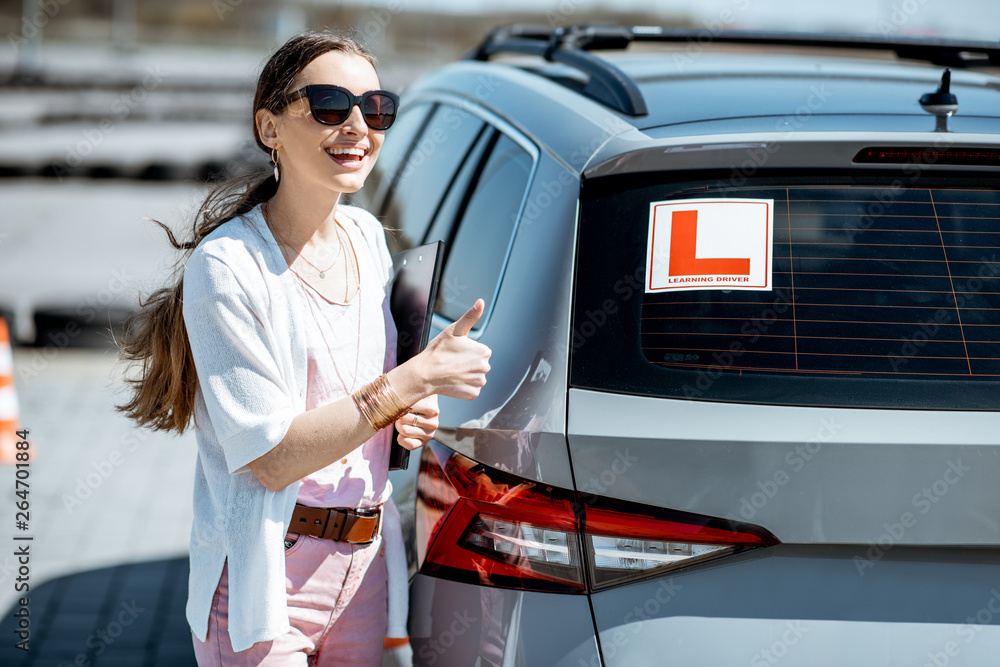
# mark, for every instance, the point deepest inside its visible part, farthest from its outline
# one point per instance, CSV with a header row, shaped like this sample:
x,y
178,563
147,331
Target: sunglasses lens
x,y
379,111
330,106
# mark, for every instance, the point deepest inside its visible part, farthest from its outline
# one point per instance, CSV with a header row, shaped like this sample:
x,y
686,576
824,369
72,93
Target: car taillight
x,y
481,525
629,540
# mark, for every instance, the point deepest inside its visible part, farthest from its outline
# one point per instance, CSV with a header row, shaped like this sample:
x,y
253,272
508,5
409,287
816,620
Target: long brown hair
x,y
155,336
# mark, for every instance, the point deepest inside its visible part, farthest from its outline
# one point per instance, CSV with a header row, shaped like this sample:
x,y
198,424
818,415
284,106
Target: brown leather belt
x,y
357,526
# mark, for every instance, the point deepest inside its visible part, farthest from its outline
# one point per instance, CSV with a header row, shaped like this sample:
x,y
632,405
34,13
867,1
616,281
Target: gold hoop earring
x,y
274,159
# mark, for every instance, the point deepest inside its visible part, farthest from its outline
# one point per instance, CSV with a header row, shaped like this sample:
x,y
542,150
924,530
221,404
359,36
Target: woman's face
x,y
310,153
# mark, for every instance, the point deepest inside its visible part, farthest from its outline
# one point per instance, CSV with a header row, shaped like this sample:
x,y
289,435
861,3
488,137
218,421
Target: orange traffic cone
x,y
8,403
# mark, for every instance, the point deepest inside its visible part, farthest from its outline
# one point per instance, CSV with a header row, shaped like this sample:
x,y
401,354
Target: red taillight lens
x,y
484,526
628,540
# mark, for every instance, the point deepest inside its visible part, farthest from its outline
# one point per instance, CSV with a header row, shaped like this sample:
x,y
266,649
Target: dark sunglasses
x,y
331,105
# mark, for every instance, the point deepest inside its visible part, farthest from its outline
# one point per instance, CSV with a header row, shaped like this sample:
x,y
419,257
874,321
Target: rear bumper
x,y
789,605
811,606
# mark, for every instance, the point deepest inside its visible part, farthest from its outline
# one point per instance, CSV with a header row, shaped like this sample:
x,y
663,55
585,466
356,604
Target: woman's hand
x,y
454,364
451,365
419,425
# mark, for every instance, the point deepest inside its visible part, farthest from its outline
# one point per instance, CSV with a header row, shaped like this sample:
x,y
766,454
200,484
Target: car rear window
x,y
880,292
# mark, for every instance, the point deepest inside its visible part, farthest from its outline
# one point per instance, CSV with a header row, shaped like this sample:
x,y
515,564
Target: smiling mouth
x,y
347,155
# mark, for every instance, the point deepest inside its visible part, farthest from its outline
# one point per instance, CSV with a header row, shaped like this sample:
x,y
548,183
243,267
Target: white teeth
x,y
360,152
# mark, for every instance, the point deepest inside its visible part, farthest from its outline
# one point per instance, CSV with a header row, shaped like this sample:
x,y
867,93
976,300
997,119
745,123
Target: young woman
x,y
278,340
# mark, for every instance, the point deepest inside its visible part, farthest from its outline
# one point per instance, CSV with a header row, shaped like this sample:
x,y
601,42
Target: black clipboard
x,y
411,302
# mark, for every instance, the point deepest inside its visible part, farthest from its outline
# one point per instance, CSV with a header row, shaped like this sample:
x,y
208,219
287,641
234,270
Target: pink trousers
x,y
336,607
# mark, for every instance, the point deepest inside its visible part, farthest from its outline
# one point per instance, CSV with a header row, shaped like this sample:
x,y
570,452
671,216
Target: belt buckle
x,y
367,513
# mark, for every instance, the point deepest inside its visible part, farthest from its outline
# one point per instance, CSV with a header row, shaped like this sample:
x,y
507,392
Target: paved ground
x,y
110,516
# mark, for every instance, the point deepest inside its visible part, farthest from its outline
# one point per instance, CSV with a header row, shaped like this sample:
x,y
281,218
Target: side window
x,y
398,140
479,243
423,177
458,193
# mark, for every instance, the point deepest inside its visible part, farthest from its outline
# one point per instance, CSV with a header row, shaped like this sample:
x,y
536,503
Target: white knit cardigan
x,y
246,326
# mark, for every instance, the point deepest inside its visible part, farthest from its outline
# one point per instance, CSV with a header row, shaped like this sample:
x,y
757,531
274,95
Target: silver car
x,y
743,297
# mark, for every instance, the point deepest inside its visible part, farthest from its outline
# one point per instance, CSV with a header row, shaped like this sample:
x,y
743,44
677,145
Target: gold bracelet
x,y
379,403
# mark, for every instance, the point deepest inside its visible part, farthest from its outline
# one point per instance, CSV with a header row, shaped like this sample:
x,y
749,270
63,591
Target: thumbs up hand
x,y
453,364
463,325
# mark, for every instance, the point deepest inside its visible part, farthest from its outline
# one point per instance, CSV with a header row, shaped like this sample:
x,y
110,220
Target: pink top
x,y
361,478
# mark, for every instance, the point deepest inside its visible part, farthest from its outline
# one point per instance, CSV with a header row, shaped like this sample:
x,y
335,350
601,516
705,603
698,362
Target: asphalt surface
x,y
109,520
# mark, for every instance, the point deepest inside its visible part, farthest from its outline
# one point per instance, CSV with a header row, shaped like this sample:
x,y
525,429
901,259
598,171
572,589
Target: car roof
x,y
719,89
681,88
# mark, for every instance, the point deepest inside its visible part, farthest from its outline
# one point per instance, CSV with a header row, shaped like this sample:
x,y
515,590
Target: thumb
x,y
464,324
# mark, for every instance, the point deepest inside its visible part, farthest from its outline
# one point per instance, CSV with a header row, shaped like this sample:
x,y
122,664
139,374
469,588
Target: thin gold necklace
x,y
340,249
322,272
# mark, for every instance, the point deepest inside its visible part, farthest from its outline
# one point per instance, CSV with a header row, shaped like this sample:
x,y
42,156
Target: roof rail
x,y
935,50
611,86
607,83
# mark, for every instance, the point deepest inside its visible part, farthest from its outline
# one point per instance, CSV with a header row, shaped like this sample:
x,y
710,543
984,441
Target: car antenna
x,y
942,103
